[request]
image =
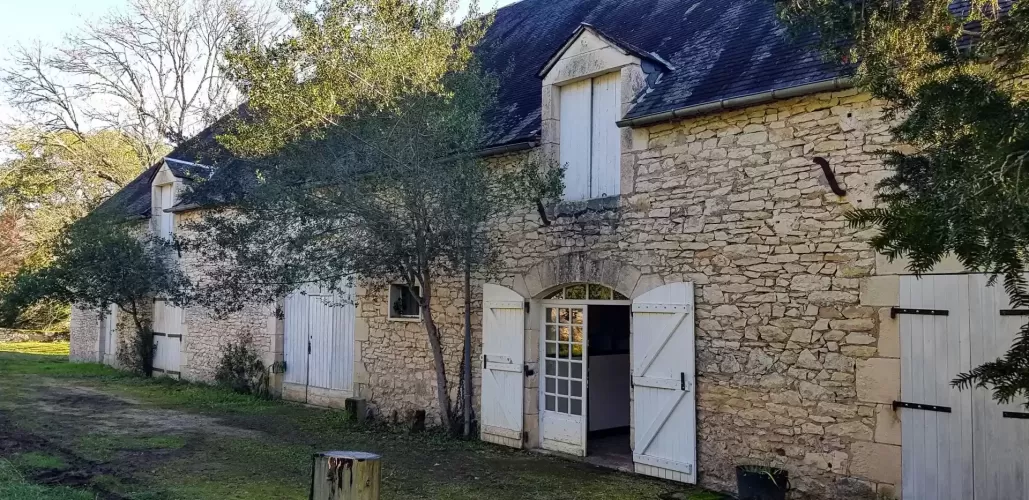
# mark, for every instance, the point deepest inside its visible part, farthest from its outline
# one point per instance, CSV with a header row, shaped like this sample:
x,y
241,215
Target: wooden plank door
x,y
1001,442
937,446
503,348
109,336
330,324
168,326
296,341
663,376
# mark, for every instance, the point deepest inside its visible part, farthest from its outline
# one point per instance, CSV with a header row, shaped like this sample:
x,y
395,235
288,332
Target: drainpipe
x,y
738,102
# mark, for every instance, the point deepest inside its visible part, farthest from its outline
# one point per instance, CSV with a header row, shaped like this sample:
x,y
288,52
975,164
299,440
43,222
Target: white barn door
x,y
318,345
936,445
109,336
503,353
1000,432
169,326
663,375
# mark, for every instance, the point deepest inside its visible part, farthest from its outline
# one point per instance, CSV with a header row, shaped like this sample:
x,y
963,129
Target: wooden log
x,y
346,475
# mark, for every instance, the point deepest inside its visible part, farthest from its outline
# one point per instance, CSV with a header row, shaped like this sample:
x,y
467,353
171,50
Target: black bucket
x,y
761,483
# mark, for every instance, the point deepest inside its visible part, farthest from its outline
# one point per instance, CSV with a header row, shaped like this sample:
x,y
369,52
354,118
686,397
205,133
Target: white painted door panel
x,y
109,336
503,348
575,138
1001,444
563,382
168,326
937,446
606,137
318,344
295,339
663,369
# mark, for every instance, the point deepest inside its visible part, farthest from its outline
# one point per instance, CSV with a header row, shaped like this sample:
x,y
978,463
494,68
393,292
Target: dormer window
x,y
590,139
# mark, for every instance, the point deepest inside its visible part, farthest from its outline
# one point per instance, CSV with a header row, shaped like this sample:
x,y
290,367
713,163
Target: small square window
x,y
403,302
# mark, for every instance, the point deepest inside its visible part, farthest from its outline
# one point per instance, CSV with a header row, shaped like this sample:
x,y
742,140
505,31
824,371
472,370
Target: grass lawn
x,y
84,431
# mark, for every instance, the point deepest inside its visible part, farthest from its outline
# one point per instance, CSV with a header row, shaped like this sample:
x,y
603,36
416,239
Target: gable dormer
x,y
164,190
588,86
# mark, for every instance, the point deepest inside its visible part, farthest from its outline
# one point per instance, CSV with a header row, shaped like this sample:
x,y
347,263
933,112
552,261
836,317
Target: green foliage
x,y
241,369
955,82
38,460
103,260
343,58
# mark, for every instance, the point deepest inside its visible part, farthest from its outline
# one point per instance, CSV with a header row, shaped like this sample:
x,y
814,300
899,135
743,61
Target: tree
x,y
362,164
954,78
104,260
153,72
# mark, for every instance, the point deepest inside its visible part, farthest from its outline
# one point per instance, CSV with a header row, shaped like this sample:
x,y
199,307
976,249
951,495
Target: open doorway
x,y
609,387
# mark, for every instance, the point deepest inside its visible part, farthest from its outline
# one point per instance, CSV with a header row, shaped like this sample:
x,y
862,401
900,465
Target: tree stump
x,y
346,475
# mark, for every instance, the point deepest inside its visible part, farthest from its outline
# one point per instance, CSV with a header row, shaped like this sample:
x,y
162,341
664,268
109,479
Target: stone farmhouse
x,y
698,302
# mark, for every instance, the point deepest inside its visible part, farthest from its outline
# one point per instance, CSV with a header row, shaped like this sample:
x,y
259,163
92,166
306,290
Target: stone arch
x,y
580,267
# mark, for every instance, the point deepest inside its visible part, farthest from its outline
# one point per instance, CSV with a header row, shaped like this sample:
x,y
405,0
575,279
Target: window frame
x,y
391,297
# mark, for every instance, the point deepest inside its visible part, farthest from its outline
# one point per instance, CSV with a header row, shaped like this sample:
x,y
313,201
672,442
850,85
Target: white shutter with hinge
x,y
1000,433
664,403
606,150
937,446
576,138
503,348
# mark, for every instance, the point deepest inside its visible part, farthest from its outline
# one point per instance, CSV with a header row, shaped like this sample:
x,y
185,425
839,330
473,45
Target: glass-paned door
x,y
563,390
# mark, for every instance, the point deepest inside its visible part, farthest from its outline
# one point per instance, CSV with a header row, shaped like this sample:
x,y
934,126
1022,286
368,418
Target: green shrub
x,y
241,368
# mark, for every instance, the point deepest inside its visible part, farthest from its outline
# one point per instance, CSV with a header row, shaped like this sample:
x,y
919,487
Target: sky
x,y
47,20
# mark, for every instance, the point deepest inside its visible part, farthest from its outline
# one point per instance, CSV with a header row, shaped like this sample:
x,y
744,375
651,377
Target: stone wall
x,y
84,330
791,367
207,334
394,368
13,335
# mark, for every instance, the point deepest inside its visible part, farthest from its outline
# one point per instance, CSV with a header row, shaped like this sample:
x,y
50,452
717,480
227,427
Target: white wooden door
x,y
296,340
318,343
663,374
503,348
563,341
937,446
168,326
109,336
1001,439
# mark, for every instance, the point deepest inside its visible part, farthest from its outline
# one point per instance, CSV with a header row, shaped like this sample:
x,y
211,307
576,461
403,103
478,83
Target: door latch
x,y
682,379
528,371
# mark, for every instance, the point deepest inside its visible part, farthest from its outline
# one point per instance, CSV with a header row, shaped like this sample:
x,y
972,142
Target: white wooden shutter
x,y
937,446
168,331
576,138
607,139
664,403
297,337
1001,461
503,350
167,219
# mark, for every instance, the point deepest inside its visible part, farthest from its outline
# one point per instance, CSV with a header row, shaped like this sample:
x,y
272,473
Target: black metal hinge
x,y
527,307
894,311
528,371
1015,414
920,406
1014,312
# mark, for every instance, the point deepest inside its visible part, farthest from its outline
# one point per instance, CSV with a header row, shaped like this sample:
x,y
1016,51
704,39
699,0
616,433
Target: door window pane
x,y
550,403
576,407
550,385
577,370
551,369
562,405
562,368
551,332
576,388
551,350
575,292
562,387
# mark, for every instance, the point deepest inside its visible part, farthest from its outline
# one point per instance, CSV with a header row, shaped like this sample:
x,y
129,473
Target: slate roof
x,y
719,49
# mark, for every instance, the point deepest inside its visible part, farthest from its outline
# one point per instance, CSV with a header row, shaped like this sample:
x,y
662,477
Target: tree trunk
x,y
466,378
346,475
437,356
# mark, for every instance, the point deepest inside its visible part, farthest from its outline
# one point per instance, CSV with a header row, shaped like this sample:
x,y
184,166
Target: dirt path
x,y
114,438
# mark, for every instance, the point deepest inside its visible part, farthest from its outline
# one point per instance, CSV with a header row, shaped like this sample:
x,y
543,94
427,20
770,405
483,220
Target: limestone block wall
x,y
206,334
85,334
393,363
792,369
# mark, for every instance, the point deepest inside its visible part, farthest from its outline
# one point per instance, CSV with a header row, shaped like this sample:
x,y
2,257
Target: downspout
x,y
738,102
